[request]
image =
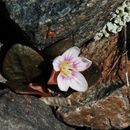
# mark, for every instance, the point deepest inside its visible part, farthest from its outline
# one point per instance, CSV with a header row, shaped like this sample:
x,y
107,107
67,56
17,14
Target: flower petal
x,y
71,53
56,63
63,82
81,63
78,82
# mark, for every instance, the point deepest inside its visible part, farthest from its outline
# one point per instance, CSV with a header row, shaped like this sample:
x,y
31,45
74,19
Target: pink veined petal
x,y
78,82
71,53
56,63
63,82
81,63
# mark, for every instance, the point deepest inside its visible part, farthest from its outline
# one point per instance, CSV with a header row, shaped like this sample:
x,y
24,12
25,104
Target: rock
x,y
18,112
2,79
1,45
111,112
59,47
105,105
49,21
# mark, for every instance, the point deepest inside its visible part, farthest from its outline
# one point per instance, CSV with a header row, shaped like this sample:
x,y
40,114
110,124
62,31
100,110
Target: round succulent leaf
x,y
21,63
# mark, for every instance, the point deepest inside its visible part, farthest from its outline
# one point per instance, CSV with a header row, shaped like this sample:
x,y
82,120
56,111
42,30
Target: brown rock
x,y
105,105
107,113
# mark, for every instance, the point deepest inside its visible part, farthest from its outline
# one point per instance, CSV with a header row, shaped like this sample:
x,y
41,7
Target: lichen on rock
x,y
118,20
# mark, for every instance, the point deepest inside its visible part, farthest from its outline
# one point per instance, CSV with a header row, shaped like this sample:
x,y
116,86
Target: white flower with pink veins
x,y
69,65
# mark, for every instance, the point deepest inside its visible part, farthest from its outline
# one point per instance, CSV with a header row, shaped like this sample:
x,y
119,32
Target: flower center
x,y
65,68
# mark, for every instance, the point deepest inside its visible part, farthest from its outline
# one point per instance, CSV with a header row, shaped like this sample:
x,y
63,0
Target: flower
x,y
69,65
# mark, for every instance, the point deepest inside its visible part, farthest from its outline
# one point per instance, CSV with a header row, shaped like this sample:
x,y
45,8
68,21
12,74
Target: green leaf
x,y
21,63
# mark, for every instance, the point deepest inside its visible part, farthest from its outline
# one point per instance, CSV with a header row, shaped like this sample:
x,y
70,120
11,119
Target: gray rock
x,y
2,79
1,45
78,18
18,112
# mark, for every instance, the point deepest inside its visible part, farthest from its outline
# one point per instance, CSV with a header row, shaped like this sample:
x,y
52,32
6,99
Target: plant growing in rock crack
x,y
21,68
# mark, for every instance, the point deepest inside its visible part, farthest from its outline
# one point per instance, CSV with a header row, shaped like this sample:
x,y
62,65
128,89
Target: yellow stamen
x,y
65,68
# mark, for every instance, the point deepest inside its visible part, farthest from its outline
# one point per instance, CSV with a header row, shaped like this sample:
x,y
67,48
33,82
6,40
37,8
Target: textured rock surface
x,y
18,112
110,112
1,45
2,79
80,18
105,105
